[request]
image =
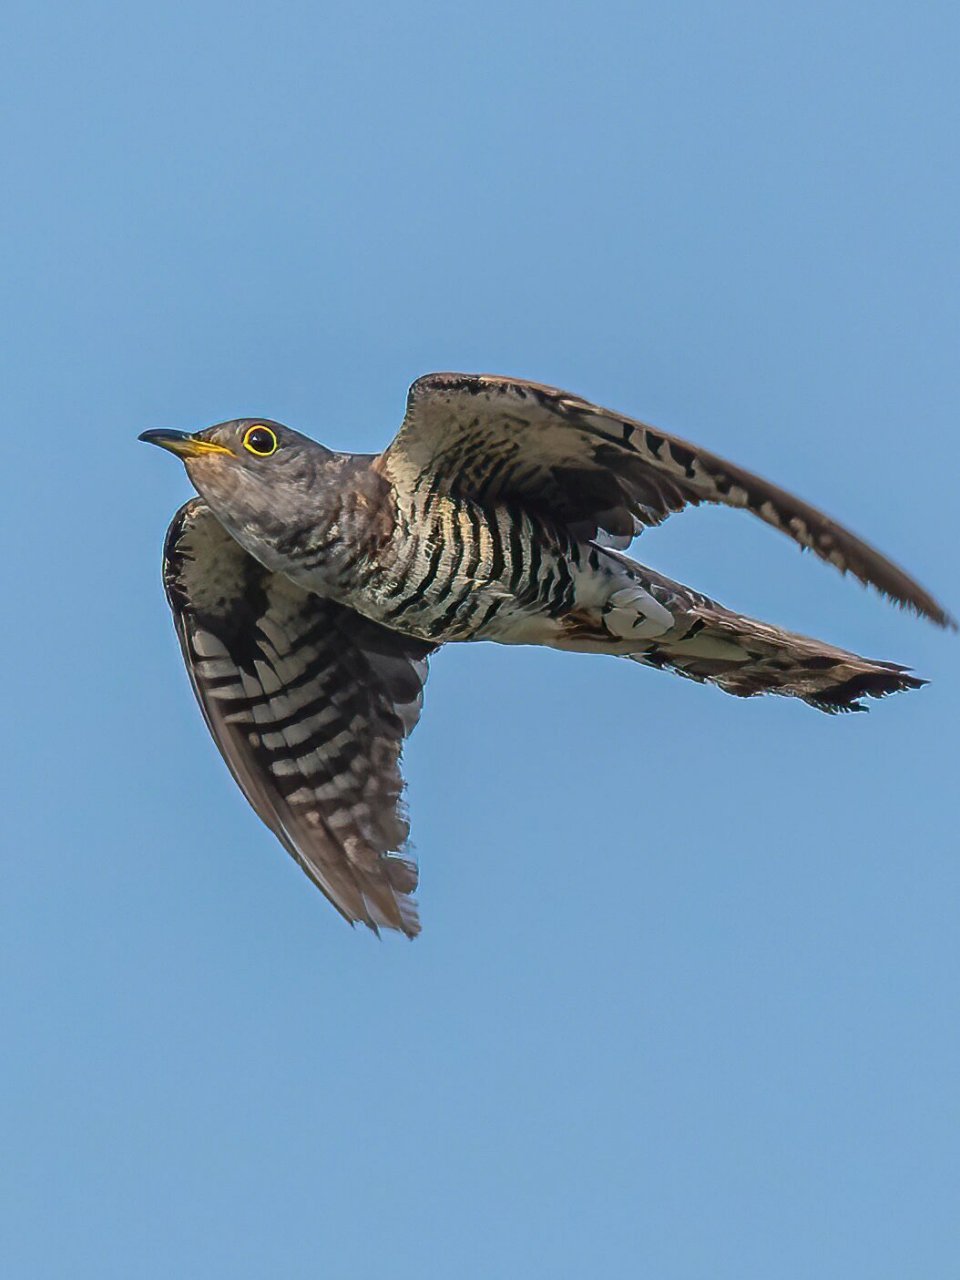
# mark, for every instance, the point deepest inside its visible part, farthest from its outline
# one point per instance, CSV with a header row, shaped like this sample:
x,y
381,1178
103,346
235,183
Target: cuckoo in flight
x,y
309,588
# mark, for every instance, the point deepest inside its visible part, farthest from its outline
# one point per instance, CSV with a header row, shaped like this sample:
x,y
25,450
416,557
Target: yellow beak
x,y
183,444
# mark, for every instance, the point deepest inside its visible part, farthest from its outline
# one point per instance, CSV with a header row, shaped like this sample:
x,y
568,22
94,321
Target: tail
x,y
745,657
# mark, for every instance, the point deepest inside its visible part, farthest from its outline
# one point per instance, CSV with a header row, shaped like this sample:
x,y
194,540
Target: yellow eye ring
x,y
261,441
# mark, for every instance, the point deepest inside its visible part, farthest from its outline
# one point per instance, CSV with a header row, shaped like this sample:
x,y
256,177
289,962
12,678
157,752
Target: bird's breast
x,y
454,570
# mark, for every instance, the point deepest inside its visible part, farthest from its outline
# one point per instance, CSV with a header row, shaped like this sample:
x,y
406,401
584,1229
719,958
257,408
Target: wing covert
x,y
606,476
309,704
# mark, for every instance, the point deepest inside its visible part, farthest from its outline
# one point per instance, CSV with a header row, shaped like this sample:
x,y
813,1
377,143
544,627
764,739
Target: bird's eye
x,y
261,441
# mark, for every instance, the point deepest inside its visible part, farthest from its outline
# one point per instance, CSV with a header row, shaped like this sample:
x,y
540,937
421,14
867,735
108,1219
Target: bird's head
x,y
259,478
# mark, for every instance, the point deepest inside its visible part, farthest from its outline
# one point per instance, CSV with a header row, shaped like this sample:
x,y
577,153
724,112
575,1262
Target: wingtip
x,y
920,605
939,617
929,608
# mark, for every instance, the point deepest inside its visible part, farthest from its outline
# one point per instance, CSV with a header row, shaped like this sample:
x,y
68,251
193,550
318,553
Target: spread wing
x,y
606,476
309,704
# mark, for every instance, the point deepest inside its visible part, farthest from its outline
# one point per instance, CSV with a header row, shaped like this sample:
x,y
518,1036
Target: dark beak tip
x,y
161,436
176,442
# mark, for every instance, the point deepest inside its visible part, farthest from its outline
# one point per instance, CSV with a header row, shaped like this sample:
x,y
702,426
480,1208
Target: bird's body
x,y
309,587
447,569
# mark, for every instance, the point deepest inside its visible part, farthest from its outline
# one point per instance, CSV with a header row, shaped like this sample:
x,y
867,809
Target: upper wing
x,y
309,704
606,476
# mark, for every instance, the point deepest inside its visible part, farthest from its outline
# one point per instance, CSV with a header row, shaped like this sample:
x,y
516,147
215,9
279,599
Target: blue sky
x,y
686,1003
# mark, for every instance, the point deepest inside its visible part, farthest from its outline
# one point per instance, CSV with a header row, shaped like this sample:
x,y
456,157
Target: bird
x,y
310,587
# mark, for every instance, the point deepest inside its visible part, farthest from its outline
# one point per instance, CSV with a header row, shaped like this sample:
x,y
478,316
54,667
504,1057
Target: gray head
x,y
261,480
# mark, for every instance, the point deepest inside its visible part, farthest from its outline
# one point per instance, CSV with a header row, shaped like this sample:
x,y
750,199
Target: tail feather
x,y
745,657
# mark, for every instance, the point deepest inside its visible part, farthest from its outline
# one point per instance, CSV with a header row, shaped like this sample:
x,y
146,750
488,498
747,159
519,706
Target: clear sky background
x,y
686,1003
